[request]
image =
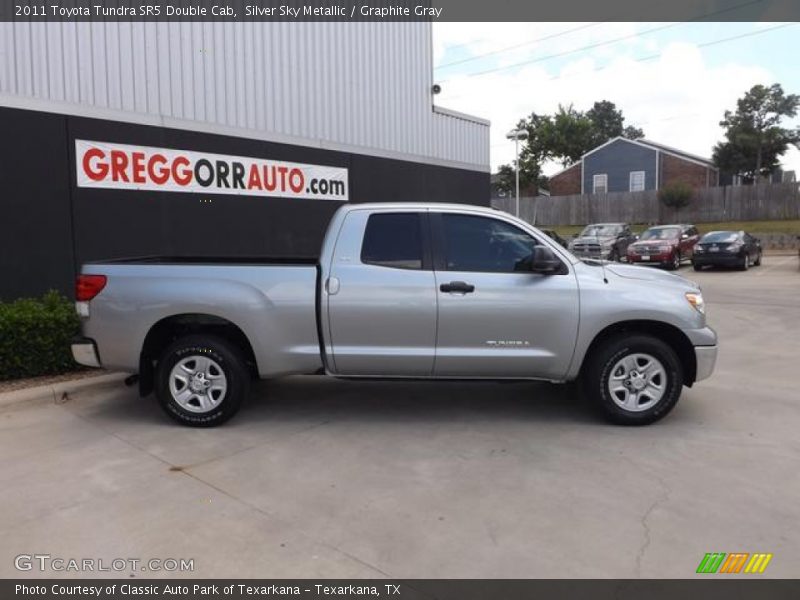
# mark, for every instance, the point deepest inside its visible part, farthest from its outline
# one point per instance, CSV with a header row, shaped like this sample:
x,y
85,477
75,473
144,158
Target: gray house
x,y
623,165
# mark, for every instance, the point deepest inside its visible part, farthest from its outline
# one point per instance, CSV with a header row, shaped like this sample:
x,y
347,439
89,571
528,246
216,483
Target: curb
x,y
55,392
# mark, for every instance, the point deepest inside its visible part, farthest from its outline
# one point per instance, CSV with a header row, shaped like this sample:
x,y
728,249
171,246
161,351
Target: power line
x,y
611,41
574,51
654,56
515,46
658,55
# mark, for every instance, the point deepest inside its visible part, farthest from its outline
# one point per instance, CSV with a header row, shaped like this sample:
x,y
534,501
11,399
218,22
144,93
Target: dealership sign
x,y
125,167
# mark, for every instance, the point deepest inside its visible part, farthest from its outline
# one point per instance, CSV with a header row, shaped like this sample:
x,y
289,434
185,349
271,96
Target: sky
x,y
674,80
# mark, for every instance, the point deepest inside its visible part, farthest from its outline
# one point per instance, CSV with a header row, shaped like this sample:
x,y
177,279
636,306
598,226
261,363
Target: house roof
x,y
656,146
706,162
680,153
565,169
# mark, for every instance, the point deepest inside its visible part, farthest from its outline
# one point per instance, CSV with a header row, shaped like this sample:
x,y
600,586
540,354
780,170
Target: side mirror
x,y
544,261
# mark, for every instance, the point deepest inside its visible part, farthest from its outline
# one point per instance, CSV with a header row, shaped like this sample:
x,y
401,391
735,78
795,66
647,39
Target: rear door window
x,y
393,240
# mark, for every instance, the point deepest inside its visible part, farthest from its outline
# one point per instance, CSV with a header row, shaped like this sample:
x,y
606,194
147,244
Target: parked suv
x,y
666,245
607,241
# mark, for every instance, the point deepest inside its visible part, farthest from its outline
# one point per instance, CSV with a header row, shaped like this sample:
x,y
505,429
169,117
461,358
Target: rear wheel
x,y
757,262
201,380
634,379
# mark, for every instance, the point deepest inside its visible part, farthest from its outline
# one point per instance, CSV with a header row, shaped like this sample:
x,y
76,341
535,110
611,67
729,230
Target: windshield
x,y
716,237
601,230
661,233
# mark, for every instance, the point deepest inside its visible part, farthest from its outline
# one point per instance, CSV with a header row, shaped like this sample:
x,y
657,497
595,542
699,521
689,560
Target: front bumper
x,y
706,358
656,258
84,351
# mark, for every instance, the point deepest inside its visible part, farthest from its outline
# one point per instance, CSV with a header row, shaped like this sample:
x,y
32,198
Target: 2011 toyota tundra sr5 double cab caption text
x,y
400,291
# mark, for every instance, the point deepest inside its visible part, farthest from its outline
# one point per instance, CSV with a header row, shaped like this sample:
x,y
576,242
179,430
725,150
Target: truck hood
x,y
593,239
649,274
654,243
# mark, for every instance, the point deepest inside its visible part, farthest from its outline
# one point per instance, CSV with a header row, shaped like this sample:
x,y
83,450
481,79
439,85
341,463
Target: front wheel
x,y
634,379
675,263
201,380
757,262
745,262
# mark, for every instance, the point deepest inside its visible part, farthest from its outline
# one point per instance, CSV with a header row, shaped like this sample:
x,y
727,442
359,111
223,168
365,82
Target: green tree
x,y
754,139
564,137
608,123
675,196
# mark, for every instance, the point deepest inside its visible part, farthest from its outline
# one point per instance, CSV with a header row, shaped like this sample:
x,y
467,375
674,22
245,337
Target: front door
x,y
494,319
381,298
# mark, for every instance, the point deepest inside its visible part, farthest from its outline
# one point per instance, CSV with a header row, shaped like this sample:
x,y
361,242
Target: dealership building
x,y
214,139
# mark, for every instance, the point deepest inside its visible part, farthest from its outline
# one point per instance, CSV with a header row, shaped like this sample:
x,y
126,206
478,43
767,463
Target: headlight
x,y
696,300
697,249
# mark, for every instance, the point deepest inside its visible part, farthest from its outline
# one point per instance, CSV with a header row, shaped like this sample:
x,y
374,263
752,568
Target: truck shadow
x,y
297,402
297,398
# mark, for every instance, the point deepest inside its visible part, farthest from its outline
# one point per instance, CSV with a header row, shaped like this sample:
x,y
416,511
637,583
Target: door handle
x,y
457,286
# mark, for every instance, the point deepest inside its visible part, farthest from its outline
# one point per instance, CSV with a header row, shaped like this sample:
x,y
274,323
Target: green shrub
x,y
35,335
675,195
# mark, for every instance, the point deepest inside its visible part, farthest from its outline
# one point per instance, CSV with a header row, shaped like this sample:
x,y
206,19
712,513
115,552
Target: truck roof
x,y
419,206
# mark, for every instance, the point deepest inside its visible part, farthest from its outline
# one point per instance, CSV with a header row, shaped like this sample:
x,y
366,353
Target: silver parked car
x,y
603,241
399,291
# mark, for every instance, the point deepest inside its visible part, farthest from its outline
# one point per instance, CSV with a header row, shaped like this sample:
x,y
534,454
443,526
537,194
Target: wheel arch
x,y
170,328
669,334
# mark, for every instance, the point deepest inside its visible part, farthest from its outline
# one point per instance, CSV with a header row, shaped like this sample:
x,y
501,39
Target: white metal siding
x,y
357,84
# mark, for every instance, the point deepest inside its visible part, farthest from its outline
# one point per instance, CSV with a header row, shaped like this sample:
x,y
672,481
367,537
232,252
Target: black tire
x,y
597,372
697,267
745,262
757,262
226,357
614,256
675,263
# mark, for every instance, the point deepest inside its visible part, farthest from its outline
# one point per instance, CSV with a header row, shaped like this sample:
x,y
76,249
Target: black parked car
x,y
555,237
727,249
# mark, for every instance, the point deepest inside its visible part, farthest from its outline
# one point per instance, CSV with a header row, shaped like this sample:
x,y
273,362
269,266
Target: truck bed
x,y
209,260
274,300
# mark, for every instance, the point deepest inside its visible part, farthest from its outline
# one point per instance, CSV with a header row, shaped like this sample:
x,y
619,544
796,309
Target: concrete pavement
x,y
325,478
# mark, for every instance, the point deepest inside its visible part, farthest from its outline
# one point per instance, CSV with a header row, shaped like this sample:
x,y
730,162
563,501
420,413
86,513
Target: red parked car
x,y
666,245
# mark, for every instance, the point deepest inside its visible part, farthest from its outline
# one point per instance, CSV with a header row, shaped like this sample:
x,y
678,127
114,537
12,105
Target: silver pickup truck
x,y
419,291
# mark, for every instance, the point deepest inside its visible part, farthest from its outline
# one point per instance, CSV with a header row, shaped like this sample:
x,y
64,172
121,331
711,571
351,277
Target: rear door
x,y
381,298
496,320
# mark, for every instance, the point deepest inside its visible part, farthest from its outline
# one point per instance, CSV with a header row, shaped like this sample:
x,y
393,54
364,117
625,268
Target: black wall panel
x,y
71,225
36,252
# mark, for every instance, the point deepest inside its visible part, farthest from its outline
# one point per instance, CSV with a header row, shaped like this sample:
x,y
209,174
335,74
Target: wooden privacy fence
x,y
740,203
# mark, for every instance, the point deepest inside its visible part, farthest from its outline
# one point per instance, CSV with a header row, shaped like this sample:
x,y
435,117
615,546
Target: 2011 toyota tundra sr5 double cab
x,y
400,291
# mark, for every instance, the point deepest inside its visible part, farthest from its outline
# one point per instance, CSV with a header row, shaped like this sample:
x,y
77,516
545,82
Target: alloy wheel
x,y
637,382
197,383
